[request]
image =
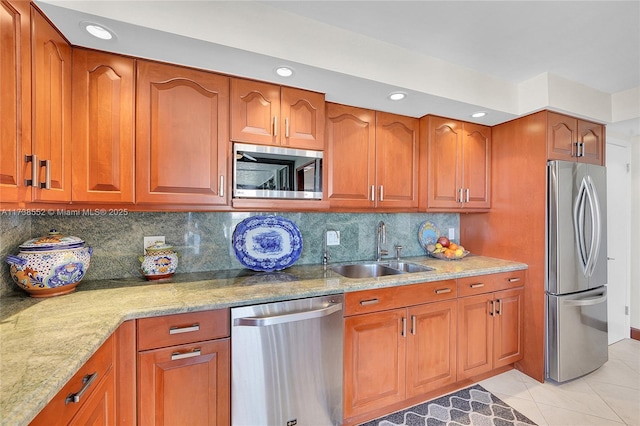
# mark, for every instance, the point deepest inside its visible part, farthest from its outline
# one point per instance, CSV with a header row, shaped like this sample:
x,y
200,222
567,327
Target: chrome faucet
x,y
381,238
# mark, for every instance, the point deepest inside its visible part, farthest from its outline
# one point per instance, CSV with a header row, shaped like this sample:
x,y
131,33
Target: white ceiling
x,y
452,57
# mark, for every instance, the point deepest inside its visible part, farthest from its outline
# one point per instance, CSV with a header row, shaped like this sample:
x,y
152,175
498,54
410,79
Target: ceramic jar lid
x,y
158,248
52,241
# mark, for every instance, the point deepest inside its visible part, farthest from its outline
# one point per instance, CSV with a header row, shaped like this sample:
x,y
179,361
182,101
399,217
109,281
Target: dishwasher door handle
x,y
291,317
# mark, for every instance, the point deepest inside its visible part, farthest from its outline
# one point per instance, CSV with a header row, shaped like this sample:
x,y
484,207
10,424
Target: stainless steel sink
x,y
407,267
372,270
364,270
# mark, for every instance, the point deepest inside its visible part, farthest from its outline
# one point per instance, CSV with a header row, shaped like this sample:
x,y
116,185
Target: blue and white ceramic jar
x,y
51,265
159,261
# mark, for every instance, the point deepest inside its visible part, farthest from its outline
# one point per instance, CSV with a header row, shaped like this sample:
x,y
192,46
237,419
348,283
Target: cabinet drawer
x,y
511,279
360,302
169,330
470,286
62,407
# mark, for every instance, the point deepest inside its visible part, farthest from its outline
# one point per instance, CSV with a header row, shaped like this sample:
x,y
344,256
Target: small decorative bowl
x,y
51,265
159,261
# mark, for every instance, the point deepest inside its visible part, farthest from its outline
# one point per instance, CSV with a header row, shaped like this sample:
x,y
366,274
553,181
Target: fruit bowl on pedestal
x,y
445,249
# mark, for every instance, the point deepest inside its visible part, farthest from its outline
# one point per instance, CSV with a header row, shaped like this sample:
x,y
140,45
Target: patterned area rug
x,y
471,406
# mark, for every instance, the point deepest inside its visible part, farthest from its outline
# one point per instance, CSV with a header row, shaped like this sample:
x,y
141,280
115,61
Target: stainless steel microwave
x,y
261,171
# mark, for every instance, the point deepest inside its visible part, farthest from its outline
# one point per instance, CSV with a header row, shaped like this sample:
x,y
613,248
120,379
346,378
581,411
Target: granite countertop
x,y
44,342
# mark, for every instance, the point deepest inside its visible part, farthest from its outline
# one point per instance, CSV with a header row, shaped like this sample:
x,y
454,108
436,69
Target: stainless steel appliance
x,y
261,171
576,270
287,363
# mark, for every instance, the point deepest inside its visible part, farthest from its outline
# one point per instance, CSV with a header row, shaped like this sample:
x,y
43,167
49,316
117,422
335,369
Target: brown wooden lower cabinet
x,y
185,385
489,332
396,354
100,408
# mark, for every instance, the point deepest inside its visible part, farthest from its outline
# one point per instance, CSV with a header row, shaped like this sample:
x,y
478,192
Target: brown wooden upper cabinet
x,y
455,165
372,159
15,86
268,114
51,125
572,139
103,135
182,135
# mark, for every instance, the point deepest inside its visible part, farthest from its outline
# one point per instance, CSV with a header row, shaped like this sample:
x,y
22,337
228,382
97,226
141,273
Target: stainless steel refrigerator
x,y
576,270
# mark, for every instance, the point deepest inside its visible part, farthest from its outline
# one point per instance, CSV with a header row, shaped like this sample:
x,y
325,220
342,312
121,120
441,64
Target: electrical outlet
x,y
452,233
151,240
333,238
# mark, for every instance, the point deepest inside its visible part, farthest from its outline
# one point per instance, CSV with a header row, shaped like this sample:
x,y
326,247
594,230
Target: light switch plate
x,y
333,238
452,233
150,240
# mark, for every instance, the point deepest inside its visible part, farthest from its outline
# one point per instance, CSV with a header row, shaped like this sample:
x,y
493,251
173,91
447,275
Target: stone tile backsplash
x,y
203,240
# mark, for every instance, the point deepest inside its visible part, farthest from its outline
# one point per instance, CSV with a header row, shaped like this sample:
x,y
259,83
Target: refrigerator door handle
x,y
596,228
590,301
578,225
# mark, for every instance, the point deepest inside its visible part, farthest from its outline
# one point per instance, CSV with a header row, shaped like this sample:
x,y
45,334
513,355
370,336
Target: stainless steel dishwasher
x,y
286,363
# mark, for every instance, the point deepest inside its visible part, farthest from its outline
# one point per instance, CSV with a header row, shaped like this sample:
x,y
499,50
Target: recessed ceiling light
x,y
98,31
397,96
479,114
284,71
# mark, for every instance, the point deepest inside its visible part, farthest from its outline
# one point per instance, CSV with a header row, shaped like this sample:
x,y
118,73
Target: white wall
x,y
635,233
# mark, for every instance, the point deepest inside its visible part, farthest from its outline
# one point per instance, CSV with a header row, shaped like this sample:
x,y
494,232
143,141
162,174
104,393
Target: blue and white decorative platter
x,y
428,233
267,243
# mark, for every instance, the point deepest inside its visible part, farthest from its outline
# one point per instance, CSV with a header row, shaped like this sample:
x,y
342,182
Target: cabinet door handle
x,y
513,280
286,127
34,170
188,329
275,125
369,302
221,188
373,193
47,174
499,310
491,307
413,325
466,195
442,290
86,383
476,285
182,355
404,326
381,193
460,199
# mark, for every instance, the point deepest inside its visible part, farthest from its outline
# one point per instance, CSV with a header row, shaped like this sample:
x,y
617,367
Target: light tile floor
x,y
608,396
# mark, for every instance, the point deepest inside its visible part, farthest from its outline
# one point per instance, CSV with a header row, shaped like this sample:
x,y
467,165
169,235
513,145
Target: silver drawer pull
x,y
189,329
368,302
86,382
182,355
513,280
476,285
442,290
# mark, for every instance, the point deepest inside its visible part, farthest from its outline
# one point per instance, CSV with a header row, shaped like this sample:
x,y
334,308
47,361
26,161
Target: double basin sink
x,y
378,269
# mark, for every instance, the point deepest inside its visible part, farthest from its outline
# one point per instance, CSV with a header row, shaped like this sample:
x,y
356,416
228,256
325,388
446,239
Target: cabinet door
x,y
396,161
350,156
592,140
185,385
51,80
374,361
431,347
255,112
181,135
475,335
476,166
562,136
15,103
508,327
444,147
100,408
103,143
302,121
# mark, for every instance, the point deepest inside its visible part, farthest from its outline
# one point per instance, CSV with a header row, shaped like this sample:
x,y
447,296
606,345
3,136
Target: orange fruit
x,y
453,246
